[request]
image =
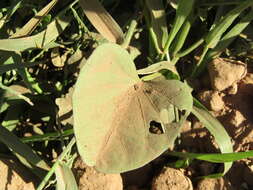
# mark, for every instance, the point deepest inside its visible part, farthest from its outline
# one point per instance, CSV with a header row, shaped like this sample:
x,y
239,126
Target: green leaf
x,y
215,34
30,26
113,111
216,129
158,21
53,30
13,142
65,178
60,158
231,35
183,11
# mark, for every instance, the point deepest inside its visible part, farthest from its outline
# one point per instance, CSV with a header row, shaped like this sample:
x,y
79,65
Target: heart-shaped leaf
x,y
114,112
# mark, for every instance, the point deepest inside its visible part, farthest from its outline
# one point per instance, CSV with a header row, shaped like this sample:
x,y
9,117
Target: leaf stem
x,y
60,158
129,33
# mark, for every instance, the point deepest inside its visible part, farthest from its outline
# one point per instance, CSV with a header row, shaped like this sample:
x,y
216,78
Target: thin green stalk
x,y
180,38
60,158
197,67
79,20
48,136
184,9
129,33
154,40
190,49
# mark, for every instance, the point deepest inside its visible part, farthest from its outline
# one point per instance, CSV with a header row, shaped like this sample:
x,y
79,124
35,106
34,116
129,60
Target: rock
x,y
14,176
90,179
236,118
225,72
171,179
212,100
65,108
233,89
214,184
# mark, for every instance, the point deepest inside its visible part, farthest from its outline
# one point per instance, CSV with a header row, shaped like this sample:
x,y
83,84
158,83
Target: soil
x,y
228,97
14,176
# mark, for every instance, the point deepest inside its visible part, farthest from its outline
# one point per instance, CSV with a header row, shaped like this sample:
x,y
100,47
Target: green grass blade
x,y
11,10
58,161
53,30
216,129
158,21
232,34
181,37
29,27
13,142
215,34
183,11
215,158
48,136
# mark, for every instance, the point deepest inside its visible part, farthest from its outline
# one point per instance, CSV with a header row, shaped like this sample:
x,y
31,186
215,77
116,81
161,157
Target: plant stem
x,y
199,64
60,158
129,33
190,49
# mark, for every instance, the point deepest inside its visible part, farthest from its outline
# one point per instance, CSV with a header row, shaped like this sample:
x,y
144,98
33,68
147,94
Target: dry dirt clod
x,y
14,176
225,72
212,100
171,179
65,108
214,184
89,179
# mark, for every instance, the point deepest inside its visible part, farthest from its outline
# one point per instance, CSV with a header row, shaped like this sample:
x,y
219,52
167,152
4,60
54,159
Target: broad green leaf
x,y
158,21
13,142
53,30
65,178
216,129
102,20
113,111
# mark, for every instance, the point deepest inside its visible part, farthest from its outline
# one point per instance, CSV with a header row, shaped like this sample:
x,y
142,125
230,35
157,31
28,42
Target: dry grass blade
x,y
31,25
102,20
